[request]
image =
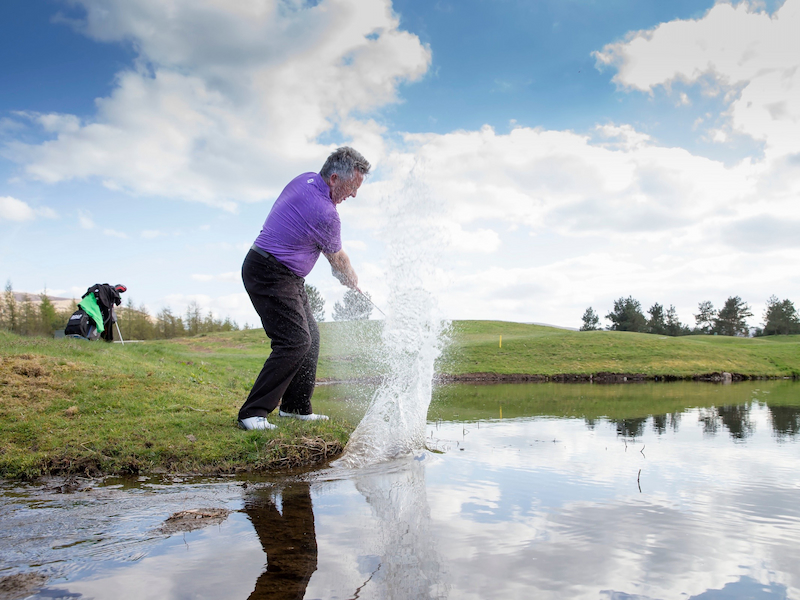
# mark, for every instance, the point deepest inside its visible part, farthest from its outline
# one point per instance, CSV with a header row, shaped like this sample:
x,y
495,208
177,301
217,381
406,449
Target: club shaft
x,y
371,302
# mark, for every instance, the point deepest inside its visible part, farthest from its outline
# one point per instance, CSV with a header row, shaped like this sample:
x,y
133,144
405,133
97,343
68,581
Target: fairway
x,y
540,350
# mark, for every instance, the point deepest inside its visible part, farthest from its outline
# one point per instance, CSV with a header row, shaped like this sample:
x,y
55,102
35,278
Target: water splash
x,y
412,337
410,565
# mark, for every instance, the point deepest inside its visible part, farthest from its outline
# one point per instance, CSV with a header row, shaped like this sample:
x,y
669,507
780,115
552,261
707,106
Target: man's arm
x,y
342,269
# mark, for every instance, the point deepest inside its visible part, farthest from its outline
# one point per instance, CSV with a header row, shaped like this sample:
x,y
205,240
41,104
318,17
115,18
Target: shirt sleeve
x,y
329,237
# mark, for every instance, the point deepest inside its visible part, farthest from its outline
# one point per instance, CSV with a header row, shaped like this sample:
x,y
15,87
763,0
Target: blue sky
x,y
572,152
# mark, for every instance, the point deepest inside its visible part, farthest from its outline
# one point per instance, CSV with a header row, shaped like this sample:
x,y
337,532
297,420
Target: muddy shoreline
x,y
601,377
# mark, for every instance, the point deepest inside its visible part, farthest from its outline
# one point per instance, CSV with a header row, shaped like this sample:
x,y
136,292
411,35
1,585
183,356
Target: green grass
x,y
533,349
68,406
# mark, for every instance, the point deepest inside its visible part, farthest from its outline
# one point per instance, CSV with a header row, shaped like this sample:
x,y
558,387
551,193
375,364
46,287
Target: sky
x,y
569,152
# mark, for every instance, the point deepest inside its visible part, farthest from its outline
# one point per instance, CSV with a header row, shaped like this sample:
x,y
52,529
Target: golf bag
x,y
96,316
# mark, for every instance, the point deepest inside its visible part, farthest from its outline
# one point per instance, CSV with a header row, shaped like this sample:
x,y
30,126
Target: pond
x,y
546,490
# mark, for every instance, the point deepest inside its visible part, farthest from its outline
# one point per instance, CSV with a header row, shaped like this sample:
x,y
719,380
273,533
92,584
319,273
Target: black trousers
x,y
288,376
288,539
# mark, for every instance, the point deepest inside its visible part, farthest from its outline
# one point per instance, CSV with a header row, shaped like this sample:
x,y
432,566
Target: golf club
x,y
370,301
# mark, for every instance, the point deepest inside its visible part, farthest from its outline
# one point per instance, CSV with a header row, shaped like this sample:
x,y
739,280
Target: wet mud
x,y
20,585
194,518
601,377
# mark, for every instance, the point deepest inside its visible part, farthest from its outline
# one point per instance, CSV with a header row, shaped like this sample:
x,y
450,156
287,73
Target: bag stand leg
x,y
119,333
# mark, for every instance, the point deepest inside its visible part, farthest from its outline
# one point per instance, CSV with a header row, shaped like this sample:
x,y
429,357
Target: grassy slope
x,y
92,407
71,406
541,350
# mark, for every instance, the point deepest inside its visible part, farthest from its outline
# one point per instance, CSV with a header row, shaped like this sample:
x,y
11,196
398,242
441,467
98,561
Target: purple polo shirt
x,y
302,223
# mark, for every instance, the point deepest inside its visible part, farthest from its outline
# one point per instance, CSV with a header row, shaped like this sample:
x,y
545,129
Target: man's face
x,y
342,189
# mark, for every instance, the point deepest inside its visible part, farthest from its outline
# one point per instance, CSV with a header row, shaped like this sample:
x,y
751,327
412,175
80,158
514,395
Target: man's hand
x,y
342,269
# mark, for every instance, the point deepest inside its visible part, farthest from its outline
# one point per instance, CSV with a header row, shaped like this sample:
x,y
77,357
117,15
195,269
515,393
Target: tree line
x,y
36,315
27,317
138,324
780,318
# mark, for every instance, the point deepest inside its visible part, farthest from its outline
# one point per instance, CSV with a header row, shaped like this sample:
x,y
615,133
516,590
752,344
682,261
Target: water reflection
x,y
785,420
669,420
722,408
407,564
736,419
288,538
630,427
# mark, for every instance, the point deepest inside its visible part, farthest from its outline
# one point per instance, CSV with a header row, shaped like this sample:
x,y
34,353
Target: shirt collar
x,y
319,183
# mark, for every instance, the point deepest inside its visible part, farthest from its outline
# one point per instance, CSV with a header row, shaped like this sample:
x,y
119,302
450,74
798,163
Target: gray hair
x,y
344,162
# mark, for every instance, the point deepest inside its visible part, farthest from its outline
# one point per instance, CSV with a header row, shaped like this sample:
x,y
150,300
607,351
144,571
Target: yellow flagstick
x,y
501,341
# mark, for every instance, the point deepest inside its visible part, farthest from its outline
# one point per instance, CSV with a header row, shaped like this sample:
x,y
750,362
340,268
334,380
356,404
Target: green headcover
x,y
89,304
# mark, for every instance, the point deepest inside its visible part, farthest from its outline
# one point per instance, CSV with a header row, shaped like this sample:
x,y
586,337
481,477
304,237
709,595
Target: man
x,y
302,223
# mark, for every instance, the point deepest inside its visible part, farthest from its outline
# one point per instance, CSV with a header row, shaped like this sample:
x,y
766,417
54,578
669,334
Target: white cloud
x,y
85,219
221,116
150,234
740,51
13,209
479,241
622,185
115,233
621,215
354,244
763,233
47,213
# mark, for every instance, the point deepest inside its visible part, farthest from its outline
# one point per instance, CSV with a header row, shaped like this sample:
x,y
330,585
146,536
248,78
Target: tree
x,y
10,309
781,317
627,315
704,319
135,323
673,325
354,307
194,318
591,321
656,324
730,319
210,324
169,326
48,317
316,301
29,317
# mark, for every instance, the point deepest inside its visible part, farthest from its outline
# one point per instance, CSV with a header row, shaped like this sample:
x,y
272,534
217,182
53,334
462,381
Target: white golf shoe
x,y
251,423
309,417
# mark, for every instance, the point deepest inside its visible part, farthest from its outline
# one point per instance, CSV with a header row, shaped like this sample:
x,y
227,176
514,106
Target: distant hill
x,y
59,303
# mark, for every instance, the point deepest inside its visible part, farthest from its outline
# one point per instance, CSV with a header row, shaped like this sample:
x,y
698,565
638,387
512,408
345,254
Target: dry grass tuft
x,y
301,452
26,379
29,370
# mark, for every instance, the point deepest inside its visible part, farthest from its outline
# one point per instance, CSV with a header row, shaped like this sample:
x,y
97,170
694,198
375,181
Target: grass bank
x,y
549,352
170,406
69,406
